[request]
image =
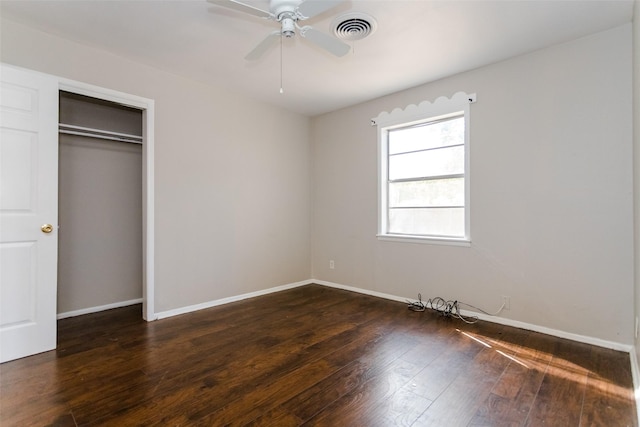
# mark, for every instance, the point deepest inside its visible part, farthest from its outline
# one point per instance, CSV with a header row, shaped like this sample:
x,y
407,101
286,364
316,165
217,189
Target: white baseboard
x,y
554,332
361,291
209,304
98,308
496,319
635,374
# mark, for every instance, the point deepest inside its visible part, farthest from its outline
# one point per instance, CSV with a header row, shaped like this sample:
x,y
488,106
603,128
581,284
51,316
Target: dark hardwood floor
x,y
313,356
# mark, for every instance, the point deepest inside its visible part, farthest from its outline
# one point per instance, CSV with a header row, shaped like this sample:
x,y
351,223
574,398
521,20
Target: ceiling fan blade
x,y
263,46
242,7
325,41
311,8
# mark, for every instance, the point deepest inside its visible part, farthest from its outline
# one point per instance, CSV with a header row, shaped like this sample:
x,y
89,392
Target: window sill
x,y
447,241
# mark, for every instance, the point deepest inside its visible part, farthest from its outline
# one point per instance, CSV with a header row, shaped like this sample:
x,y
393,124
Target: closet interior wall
x,y
100,205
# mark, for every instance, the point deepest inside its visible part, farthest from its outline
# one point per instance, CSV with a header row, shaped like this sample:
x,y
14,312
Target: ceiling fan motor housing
x,y
285,12
283,9
288,27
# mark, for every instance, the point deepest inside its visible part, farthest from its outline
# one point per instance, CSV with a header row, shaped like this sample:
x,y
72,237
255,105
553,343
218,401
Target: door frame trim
x,y
148,212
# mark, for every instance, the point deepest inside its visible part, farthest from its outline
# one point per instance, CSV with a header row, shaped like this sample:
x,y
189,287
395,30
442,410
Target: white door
x,y
28,206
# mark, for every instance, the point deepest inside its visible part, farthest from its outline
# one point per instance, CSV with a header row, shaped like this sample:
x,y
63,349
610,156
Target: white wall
x,y
231,190
551,193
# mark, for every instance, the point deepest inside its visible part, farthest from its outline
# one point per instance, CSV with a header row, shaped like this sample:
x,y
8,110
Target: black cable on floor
x,y
448,308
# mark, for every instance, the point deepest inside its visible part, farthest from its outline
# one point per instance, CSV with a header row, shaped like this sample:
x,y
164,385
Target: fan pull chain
x,y
281,90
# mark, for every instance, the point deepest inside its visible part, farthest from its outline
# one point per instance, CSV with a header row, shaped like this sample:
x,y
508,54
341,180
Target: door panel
x,y
28,200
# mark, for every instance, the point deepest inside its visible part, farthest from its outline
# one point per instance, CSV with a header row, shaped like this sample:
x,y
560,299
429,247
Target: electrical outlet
x,y
332,264
506,300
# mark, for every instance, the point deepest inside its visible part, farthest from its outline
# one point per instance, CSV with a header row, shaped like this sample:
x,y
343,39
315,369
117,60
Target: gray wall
x,y
551,184
100,217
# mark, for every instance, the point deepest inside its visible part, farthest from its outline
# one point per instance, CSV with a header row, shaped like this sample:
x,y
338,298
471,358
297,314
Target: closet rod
x,y
93,135
98,133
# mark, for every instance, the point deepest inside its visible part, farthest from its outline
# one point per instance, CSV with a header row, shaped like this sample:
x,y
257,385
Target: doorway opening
x,y
131,137
99,205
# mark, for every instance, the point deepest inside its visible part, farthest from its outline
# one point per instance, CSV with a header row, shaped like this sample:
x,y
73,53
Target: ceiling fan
x,y
288,13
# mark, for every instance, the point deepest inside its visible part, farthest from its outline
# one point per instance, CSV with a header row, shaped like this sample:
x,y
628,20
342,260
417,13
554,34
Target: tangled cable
x,y
448,308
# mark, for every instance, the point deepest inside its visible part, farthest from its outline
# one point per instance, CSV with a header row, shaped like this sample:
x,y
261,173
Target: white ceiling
x,y
416,41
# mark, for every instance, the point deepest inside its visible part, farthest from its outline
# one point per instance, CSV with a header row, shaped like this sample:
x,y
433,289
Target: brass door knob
x,y
47,228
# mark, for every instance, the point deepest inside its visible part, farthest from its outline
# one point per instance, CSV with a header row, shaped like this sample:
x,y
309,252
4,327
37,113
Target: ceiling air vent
x,y
353,26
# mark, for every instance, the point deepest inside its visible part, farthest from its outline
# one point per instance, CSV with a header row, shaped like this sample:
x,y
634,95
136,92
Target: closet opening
x,y
101,208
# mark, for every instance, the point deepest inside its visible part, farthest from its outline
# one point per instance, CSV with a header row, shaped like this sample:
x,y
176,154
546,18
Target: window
x,y
424,180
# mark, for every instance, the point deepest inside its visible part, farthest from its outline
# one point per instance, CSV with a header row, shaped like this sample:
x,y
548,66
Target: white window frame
x,y
425,112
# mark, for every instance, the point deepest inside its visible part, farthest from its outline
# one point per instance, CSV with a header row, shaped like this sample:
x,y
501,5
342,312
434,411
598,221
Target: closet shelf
x,y
98,133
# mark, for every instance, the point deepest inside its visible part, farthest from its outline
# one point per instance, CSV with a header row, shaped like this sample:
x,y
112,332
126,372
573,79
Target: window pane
x,y
440,192
425,136
444,161
430,222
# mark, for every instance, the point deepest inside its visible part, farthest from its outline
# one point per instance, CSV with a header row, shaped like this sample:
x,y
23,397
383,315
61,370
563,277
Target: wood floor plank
x,y
608,391
402,408
562,391
458,404
276,417
513,394
560,398
360,404
65,420
456,353
512,397
312,356
373,363
44,413
256,402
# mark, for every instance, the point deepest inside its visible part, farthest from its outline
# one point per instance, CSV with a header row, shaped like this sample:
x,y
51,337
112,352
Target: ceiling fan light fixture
x,y
353,26
288,27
